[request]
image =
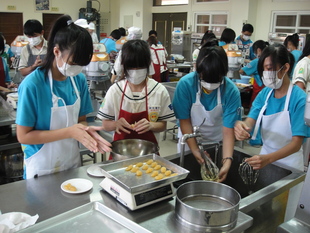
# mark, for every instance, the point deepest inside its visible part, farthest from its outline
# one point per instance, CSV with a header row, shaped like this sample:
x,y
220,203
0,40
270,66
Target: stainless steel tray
x,y
92,217
132,183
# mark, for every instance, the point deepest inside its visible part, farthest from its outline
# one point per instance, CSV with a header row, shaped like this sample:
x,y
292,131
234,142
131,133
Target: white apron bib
x,y
211,130
274,137
59,155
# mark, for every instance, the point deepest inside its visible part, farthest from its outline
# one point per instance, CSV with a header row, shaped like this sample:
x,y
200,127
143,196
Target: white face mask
x,y
69,70
245,37
136,76
210,86
34,41
271,80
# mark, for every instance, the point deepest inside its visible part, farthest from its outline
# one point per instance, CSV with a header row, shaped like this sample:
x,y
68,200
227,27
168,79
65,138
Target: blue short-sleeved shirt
x,y
7,77
35,101
245,45
251,69
185,96
296,108
296,53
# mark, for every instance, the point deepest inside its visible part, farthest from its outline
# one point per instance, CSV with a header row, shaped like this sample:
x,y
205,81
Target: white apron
x,y
274,137
58,155
211,130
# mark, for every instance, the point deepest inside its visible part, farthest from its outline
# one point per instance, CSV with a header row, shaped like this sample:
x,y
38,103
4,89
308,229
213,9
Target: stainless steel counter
x,y
43,196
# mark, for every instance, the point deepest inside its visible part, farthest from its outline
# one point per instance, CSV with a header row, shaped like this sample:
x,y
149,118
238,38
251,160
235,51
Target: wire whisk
x,y
209,170
248,174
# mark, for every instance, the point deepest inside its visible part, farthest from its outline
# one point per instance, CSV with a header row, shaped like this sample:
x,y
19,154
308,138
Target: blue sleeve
x,y
251,68
10,53
6,71
184,96
86,104
222,43
231,105
252,56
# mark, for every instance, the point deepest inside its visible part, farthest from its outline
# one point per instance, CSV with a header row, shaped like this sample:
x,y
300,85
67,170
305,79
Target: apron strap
x,y
288,96
260,116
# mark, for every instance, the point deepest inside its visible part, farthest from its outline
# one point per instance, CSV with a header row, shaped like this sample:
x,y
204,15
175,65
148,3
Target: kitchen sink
x,y
265,202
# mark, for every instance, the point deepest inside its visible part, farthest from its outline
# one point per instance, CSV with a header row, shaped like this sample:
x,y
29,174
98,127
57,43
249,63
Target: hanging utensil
x,y
248,175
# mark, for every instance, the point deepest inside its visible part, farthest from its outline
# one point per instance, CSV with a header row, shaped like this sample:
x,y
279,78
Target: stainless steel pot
x,y
131,148
11,163
207,205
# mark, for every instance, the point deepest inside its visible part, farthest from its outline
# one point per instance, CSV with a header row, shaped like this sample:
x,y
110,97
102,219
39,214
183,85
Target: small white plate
x,y
95,170
82,185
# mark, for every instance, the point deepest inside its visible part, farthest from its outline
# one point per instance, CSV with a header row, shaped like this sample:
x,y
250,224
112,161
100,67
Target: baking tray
x,y
92,217
132,183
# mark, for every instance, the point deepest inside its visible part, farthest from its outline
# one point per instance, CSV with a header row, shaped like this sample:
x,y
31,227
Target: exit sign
x,y
11,8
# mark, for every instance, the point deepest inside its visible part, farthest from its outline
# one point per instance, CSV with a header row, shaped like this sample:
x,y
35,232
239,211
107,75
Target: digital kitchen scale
x,y
140,199
136,192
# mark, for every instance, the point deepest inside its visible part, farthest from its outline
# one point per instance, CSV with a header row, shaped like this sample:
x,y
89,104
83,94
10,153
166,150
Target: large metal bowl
x,y
131,148
207,205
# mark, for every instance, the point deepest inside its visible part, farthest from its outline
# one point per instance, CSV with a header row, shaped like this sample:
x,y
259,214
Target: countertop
x,y
43,196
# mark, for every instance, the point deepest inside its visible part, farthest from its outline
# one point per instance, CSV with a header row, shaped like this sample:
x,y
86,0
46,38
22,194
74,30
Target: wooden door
x,y
164,23
11,25
48,22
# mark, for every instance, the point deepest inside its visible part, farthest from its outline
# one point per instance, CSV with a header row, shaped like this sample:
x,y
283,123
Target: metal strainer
x,y
248,174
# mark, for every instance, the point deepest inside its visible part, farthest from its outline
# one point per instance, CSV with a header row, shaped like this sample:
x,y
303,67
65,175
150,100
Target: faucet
x,y
201,144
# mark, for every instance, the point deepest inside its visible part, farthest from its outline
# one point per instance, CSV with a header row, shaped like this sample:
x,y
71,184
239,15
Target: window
x,y
169,2
291,22
216,22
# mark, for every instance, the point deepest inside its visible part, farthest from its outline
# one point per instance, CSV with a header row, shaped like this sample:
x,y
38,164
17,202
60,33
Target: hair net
x,y
134,33
82,23
91,26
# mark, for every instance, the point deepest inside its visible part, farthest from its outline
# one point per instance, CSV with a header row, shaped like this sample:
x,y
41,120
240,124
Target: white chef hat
x,y
82,23
134,33
91,26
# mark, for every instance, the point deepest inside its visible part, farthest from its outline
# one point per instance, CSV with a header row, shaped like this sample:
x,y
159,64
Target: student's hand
x,y
142,126
198,156
103,145
257,161
224,170
79,133
241,131
37,63
122,125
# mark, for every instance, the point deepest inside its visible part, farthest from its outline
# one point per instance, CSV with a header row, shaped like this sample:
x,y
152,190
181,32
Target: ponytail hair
x,y
68,37
260,44
294,39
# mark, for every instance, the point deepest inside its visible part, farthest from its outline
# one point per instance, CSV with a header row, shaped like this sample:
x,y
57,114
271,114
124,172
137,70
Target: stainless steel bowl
x,y
207,205
131,148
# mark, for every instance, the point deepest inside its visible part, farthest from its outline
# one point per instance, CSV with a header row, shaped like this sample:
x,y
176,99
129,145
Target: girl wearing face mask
x,y
53,102
279,110
136,107
207,96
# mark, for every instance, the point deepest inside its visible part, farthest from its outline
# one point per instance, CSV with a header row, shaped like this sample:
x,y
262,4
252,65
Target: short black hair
x,y
248,28
279,57
259,44
71,37
135,54
294,39
123,31
228,35
32,26
212,64
207,36
152,32
116,34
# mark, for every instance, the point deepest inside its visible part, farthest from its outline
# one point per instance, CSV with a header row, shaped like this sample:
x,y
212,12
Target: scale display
x,y
152,195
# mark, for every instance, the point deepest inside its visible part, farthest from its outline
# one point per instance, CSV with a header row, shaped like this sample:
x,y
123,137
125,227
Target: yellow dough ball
x,y
149,162
145,167
153,164
157,167
163,169
139,173
139,164
173,174
168,173
149,170
159,176
155,173
134,169
129,168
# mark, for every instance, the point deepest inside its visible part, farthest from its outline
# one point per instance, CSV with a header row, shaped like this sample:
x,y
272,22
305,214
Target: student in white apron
x,y
279,110
53,103
208,94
